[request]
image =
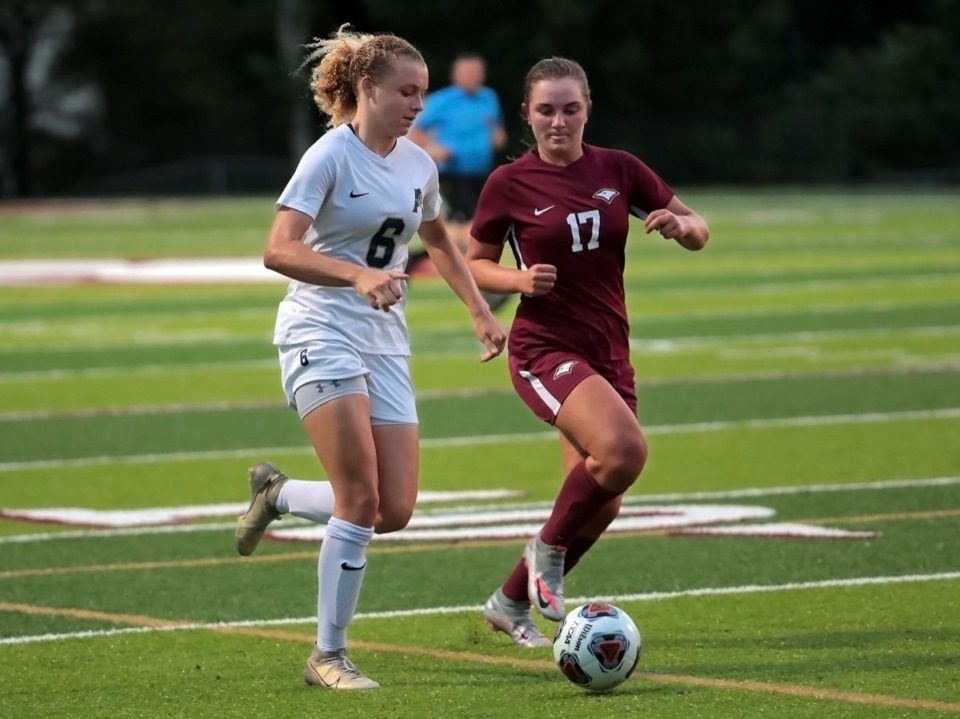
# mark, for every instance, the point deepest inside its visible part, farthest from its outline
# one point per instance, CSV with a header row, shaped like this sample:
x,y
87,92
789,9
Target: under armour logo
x,y
334,382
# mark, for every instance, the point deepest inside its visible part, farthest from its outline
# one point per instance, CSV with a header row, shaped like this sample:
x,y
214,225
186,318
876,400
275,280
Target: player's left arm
x,y
453,268
678,222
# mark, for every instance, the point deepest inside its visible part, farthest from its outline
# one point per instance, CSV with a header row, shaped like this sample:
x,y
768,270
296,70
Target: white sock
x,y
308,500
340,568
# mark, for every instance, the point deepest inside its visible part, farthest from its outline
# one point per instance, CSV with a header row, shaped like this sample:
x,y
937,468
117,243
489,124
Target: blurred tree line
x,y
706,92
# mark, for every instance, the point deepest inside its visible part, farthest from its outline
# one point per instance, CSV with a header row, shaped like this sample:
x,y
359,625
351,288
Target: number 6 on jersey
x,y
384,243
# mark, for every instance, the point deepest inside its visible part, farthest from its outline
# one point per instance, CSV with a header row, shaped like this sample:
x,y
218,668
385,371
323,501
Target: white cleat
x,y
335,671
265,483
513,619
545,578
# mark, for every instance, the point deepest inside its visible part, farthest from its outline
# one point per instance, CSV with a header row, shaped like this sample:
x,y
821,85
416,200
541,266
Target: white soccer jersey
x,y
365,209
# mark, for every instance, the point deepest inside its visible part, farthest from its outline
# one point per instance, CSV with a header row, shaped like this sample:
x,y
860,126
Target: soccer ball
x,y
597,646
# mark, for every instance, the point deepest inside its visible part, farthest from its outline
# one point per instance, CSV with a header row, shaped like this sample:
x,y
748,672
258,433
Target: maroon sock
x,y
515,587
580,498
578,547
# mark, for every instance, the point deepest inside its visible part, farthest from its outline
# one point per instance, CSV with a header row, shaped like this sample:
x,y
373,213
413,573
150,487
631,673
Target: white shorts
x,y
387,377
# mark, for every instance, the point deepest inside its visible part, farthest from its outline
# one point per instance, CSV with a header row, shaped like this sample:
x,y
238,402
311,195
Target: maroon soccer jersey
x,y
575,218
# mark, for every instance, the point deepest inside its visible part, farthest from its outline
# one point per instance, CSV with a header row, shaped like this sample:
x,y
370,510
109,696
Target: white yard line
x,y
506,438
646,345
632,500
472,608
160,338
138,371
224,406
471,392
240,270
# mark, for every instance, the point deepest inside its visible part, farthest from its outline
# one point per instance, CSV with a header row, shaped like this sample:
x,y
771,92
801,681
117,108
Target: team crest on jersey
x,y
417,200
606,194
564,368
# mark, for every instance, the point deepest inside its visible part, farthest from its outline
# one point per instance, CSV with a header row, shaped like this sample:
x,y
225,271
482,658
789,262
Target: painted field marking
x,y
670,497
672,520
381,549
165,516
506,438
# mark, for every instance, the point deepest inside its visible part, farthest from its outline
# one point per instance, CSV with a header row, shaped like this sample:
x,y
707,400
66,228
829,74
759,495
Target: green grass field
x,y
805,367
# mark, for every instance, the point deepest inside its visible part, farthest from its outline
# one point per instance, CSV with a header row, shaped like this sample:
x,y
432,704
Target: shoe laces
x,y
522,626
343,664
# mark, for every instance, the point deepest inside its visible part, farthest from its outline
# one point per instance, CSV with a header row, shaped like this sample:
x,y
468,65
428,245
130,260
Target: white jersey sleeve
x,y
431,197
313,179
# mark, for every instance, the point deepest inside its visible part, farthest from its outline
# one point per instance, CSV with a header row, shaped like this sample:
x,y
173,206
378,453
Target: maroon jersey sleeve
x,y
492,219
647,191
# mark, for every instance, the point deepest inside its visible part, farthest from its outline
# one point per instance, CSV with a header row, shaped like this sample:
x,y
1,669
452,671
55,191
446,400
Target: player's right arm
x,y
489,230
490,276
285,253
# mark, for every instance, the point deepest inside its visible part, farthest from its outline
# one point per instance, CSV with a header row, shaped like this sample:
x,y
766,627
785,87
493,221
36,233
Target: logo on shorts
x,y
606,194
334,382
565,368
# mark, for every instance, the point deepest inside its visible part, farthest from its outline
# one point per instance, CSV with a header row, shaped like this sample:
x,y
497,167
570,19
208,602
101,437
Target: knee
x,y
394,513
359,505
392,519
633,457
621,459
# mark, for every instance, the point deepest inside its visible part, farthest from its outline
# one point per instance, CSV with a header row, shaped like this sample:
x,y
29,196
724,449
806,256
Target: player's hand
x,y
493,336
671,226
538,280
381,289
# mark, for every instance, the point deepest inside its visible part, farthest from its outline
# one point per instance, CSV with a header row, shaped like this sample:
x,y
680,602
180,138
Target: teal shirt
x,y
464,123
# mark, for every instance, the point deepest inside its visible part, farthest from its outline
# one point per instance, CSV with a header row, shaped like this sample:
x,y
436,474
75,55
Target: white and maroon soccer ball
x,y
597,646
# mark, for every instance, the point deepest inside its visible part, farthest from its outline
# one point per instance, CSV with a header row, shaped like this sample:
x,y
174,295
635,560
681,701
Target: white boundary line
x,y
507,438
463,609
633,500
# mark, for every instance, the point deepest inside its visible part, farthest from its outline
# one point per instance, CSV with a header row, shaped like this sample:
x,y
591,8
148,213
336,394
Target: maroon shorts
x,y
544,382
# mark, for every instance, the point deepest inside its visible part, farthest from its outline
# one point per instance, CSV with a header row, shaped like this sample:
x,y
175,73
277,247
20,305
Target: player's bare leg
x,y
343,440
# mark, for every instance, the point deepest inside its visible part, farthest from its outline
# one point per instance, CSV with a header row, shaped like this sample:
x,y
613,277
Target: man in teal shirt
x,y
461,127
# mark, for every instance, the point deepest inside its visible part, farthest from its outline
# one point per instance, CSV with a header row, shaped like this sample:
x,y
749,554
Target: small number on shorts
x,y
303,358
